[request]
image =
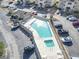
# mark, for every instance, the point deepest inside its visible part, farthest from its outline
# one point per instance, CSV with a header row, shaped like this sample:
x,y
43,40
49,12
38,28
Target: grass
x,y
2,47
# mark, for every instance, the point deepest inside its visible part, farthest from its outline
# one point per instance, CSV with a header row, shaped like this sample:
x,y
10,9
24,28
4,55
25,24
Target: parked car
x,y
14,26
42,15
63,33
58,24
76,24
34,13
58,12
10,2
71,18
29,48
74,57
67,41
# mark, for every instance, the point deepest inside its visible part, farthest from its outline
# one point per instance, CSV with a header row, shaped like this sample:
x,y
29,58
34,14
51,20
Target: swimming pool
x,y
44,31
42,28
49,43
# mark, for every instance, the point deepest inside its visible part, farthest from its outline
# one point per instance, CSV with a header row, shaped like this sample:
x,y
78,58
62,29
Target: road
x,y
67,25
16,40
3,40
23,41
10,40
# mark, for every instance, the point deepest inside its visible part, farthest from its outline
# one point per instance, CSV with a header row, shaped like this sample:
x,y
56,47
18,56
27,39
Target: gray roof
x,y
23,14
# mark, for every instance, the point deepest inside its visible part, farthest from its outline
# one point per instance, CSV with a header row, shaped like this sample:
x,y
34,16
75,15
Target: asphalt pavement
x,y
16,40
67,25
23,41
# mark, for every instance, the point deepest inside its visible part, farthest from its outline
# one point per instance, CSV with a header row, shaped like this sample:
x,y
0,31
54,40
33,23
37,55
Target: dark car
x,y
29,48
14,27
34,13
76,24
67,41
59,26
10,2
63,33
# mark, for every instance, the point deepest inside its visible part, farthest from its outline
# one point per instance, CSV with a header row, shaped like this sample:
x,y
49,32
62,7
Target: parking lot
x,y
23,41
67,25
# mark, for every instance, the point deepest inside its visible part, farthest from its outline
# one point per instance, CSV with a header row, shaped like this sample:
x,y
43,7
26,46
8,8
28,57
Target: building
x,y
69,5
44,38
45,3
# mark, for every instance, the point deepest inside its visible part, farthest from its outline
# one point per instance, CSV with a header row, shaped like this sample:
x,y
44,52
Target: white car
x,y
71,18
14,26
66,39
75,58
41,15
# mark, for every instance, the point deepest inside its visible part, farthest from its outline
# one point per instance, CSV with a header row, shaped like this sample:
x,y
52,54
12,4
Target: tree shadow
x,y
27,33
26,55
14,29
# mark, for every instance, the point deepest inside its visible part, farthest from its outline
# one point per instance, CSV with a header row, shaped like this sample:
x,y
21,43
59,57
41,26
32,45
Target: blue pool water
x,y
49,43
44,31
42,28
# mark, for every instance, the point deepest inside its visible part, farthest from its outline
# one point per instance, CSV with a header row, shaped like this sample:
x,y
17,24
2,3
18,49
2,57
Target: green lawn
x,y
2,47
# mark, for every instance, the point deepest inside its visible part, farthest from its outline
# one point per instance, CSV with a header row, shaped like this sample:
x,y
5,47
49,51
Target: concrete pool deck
x,y
53,52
